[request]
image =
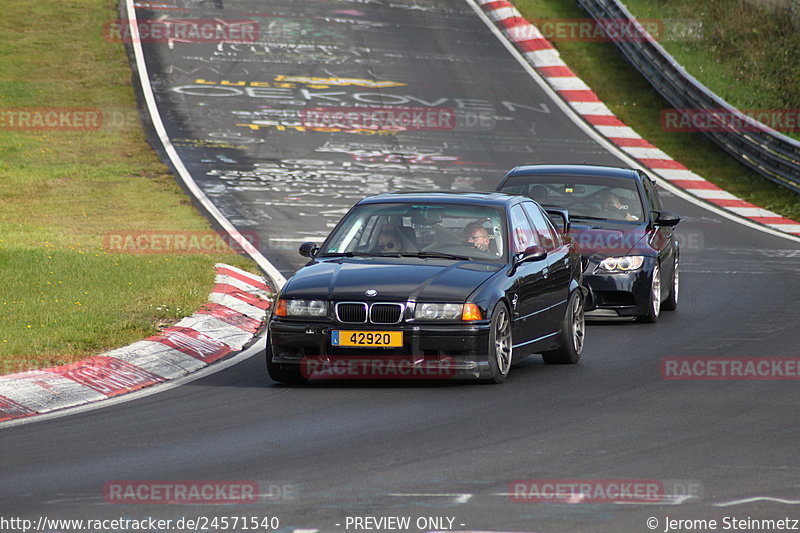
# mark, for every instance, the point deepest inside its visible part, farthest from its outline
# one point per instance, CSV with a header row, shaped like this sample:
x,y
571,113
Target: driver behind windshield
x,y
389,241
476,235
612,205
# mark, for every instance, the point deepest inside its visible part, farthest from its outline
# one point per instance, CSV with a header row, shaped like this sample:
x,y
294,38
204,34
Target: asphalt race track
x,y
329,451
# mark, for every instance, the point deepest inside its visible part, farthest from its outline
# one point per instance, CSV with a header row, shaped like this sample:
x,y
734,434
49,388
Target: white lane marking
x,y
256,348
605,143
667,499
757,499
457,497
183,172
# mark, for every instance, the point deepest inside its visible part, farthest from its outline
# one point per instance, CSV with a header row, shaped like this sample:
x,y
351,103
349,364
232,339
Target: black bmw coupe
x,y
430,285
630,254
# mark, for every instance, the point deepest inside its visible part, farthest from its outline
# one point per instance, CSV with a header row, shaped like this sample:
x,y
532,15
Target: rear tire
x,y
500,345
572,335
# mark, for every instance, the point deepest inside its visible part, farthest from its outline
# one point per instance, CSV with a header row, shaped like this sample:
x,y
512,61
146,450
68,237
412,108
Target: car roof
x,y
579,170
447,197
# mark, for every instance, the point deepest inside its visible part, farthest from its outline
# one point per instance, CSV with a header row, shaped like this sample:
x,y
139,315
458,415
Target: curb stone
x,y
236,310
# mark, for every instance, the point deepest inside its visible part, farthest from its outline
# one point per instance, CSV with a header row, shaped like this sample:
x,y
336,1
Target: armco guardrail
x,y
775,156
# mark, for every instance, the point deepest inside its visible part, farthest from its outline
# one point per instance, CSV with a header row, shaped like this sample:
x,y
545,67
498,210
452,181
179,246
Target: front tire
x,y
571,335
500,345
671,303
654,301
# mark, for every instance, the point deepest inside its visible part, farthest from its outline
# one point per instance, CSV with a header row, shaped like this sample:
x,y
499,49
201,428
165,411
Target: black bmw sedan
x,y
625,237
430,285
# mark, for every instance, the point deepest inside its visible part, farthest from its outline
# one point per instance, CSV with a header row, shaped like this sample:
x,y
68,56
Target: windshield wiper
x,y
586,217
343,254
440,255
358,254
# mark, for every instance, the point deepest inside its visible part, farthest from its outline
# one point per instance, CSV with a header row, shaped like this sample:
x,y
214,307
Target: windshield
x,y
420,230
590,197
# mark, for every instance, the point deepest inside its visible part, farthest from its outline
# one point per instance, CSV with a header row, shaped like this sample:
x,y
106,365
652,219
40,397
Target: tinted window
x,y
548,237
522,235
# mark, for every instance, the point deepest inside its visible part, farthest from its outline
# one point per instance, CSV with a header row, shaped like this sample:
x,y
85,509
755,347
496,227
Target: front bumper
x,y
619,293
459,350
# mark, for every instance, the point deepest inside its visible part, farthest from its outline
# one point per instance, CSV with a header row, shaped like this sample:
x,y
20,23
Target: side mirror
x,y
666,218
532,253
309,249
560,219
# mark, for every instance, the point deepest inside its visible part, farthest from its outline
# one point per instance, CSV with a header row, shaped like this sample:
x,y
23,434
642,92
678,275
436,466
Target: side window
x,y
554,234
548,236
654,202
522,235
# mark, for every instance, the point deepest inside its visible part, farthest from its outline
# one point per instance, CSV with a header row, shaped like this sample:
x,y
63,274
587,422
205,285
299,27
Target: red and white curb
x,y
237,307
541,54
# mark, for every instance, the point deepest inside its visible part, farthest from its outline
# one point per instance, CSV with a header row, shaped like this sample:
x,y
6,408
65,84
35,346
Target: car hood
x,y
394,280
610,239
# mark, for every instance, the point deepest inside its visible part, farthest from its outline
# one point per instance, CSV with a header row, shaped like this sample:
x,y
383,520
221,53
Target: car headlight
x,y
309,308
438,311
625,263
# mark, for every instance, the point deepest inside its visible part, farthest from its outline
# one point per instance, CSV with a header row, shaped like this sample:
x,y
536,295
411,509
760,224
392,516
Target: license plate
x,y
367,339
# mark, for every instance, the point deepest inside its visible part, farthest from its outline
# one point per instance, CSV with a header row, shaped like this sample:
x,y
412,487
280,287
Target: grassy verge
x,y
632,99
745,54
64,296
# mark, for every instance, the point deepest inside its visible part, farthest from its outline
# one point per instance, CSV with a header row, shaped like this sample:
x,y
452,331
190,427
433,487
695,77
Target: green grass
x,y
747,56
637,104
63,296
